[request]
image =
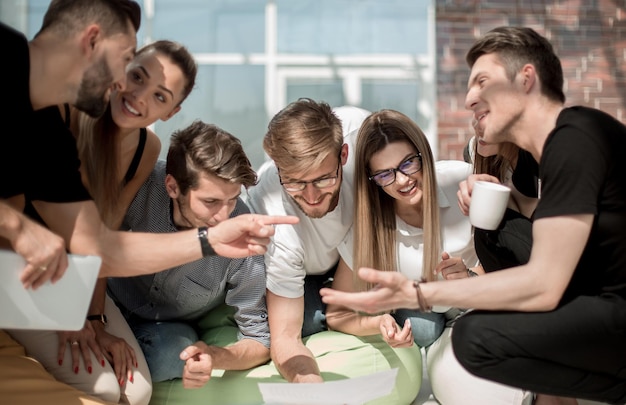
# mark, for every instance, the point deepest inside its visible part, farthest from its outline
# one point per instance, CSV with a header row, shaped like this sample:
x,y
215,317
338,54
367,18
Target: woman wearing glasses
x,y
407,219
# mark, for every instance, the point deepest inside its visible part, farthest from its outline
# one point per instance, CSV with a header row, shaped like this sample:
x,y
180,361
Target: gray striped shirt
x,y
190,291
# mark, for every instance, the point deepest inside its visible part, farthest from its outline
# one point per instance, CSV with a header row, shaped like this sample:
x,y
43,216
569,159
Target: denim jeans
x,y
314,308
426,326
162,343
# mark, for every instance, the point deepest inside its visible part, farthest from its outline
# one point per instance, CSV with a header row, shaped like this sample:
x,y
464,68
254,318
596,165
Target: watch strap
x,y
98,317
203,236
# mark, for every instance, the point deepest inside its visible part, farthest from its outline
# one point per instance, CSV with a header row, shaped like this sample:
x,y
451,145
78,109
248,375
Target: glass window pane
x,y
396,95
352,26
231,97
210,26
329,91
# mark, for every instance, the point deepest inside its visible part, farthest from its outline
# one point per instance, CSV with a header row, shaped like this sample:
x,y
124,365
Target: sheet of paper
x,y
59,306
351,391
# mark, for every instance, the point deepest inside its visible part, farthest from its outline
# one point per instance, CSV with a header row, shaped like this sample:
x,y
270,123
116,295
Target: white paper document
x,y
351,391
59,306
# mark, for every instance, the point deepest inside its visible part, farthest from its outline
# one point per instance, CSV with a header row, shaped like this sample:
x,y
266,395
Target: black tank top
x,y
134,164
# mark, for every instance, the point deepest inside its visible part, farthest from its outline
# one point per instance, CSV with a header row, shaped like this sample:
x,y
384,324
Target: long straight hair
x,y
374,215
499,164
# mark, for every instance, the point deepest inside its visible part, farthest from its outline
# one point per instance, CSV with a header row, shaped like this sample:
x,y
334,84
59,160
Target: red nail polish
x,y
76,370
102,362
60,362
131,379
121,381
89,369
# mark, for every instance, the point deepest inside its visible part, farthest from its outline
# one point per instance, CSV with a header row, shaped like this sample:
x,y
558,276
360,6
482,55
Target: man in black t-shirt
x,y
79,53
557,325
49,70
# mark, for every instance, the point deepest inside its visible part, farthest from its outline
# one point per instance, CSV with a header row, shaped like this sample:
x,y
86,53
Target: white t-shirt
x,y
457,232
309,247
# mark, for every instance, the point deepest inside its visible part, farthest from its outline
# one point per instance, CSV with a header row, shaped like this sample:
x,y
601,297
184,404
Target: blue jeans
x,y
426,326
314,308
162,343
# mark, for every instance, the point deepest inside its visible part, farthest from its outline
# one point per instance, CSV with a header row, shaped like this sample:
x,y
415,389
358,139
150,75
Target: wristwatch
x,y
98,317
203,236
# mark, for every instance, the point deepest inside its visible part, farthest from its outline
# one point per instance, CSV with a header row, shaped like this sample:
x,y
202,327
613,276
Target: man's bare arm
x,y
132,253
294,360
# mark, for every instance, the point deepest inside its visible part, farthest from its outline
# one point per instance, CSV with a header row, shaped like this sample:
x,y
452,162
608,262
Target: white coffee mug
x,y
489,201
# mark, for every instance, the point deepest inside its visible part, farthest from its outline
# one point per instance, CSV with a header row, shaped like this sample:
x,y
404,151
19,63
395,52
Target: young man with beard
x,y
64,63
556,325
198,186
310,177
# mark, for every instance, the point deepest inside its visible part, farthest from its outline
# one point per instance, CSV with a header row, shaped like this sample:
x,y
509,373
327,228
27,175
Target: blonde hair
x,y
374,215
302,135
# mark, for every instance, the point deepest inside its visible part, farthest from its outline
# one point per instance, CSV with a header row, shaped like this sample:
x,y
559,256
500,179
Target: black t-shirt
x,y
41,160
14,151
580,173
57,177
526,174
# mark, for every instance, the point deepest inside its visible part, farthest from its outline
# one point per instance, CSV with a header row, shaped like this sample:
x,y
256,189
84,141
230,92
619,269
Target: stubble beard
x,y
316,213
92,95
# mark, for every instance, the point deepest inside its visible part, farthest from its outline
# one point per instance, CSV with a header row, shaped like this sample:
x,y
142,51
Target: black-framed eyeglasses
x,y
410,165
325,182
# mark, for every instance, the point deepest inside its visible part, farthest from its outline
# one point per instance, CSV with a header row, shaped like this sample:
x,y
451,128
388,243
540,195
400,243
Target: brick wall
x,y
588,35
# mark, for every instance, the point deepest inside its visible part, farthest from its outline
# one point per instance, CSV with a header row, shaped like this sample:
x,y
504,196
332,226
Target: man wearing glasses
x,y
311,177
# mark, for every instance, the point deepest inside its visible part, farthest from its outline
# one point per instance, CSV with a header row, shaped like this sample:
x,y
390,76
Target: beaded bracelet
x,y
421,301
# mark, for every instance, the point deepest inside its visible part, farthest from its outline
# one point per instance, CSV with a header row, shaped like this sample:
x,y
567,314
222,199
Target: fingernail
x,y
76,370
102,362
121,381
131,379
89,369
60,362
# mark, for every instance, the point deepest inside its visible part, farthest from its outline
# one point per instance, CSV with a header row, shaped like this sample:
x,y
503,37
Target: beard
x,y
92,94
318,212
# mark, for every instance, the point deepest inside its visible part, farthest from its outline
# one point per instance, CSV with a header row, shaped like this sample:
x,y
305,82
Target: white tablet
x,y
59,306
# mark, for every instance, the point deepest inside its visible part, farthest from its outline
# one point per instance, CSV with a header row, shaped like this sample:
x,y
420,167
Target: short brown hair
x,y
517,46
206,148
113,16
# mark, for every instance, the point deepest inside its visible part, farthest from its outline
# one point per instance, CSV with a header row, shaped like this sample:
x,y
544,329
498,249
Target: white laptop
x,y
59,306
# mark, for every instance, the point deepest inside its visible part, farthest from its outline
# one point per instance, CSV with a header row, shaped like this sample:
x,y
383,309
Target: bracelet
x,y
421,301
203,236
471,273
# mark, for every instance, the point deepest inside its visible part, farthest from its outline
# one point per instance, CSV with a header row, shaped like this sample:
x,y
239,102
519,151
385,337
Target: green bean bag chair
x,y
338,355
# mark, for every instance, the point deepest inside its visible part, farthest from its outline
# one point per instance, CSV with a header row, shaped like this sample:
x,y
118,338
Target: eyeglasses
x,y
295,186
412,164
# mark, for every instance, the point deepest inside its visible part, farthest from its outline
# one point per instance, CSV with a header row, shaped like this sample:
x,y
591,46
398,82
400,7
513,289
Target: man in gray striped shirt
x,y
198,186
